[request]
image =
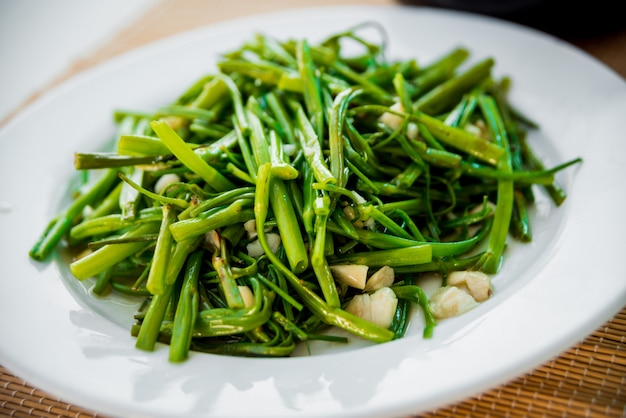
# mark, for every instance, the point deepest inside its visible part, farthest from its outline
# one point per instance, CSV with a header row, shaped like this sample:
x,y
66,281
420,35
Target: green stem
x,y
187,310
162,250
195,163
62,223
331,316
109,255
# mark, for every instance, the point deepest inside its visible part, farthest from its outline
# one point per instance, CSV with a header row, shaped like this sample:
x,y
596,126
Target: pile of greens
x,y
316,158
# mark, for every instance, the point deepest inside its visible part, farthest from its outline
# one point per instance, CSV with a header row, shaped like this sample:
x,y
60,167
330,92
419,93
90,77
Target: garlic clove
x,y
212,240
477,283
246,295
255,249
392,120
378,308
479,286
383,277
164,181
449,301
353,275
383,305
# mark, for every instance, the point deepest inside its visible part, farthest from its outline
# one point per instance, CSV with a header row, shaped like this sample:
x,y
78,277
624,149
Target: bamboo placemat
x,y
588,380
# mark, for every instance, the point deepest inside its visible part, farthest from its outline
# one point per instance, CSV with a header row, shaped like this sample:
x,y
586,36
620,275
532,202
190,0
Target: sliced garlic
x,y
250,228
255,249
472,129
273,240
246,295
412,132
479,286
449,301
353,275
164,181
212,240
383,303
378,308
383,277
392,120
479,129
478,283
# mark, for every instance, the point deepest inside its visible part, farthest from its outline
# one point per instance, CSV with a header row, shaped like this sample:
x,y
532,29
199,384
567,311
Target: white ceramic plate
x,y
550,294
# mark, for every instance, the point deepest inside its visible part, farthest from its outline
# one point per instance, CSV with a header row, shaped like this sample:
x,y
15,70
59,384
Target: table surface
x,y
586,380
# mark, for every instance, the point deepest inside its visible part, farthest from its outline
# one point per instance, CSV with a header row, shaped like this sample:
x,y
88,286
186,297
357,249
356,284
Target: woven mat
x,y
588,380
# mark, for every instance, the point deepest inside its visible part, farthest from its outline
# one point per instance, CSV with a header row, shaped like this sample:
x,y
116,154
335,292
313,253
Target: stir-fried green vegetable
x,y
251,211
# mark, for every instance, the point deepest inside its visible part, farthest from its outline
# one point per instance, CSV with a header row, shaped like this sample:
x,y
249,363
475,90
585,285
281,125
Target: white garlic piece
x,y
164,181
449,301
246,295
353,275
392,120
378,308
212,240
383,277
478,283
255,249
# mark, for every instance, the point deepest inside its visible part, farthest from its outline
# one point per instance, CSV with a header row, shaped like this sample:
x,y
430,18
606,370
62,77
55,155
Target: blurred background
x,y
39,39
562,18
43,42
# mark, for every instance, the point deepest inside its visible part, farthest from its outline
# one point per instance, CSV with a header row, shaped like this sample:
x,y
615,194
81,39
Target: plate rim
x,y
153,47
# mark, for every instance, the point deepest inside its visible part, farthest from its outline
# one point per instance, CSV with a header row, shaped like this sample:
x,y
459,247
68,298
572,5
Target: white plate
x,y
549,295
